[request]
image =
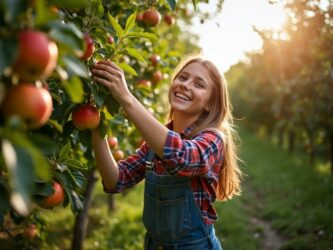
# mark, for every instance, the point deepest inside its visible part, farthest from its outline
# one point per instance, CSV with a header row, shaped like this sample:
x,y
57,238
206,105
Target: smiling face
x,y
190,91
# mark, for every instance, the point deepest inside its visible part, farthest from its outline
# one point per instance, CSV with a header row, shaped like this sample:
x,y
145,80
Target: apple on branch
x,y
31,103
89,47
54,199
113,142
151,17
37,56
85,116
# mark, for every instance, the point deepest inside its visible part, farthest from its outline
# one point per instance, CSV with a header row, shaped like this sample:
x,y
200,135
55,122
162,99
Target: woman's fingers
x,y
110,65
102,81
103,74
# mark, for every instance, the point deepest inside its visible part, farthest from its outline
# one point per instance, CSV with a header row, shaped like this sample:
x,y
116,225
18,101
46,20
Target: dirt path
x,y
269,238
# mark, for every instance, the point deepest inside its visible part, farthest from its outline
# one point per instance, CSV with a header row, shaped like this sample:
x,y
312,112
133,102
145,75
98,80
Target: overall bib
x,y
171,216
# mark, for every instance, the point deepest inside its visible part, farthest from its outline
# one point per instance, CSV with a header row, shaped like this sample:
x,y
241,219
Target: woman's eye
x,y
199,85
182,78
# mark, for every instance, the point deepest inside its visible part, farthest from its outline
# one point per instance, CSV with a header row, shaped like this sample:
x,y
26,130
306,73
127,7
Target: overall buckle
x,y
149,165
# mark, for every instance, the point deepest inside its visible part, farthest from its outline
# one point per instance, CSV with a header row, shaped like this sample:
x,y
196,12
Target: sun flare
x,y
270,16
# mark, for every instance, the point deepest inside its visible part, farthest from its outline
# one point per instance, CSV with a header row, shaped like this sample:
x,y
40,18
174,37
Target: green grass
x,y
296,198
284,190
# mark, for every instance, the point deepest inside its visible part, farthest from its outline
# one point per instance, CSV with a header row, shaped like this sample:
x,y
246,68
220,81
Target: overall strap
x,y
150,160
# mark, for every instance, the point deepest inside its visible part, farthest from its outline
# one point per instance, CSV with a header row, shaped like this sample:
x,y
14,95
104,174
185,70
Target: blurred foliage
x,y
286,88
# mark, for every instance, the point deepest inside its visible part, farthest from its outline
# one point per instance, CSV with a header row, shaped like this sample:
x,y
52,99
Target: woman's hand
x,y
112,77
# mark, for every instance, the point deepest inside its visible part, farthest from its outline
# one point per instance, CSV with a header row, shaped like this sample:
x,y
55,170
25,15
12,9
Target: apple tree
x,y
291,81
49,102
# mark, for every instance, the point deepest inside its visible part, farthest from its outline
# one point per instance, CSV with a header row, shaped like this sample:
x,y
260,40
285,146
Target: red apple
x,y
154,59
89,47
118,155
30,232
37,56
157,76
151,17
113,142
169,19
85,117
144,82
54,199
30,103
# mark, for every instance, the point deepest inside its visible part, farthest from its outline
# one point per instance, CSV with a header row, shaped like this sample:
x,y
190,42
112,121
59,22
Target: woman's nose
x,y
185,84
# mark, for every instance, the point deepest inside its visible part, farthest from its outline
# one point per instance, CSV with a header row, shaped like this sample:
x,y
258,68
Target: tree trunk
x,y
331,150
111,203
81,219
291,141
280,137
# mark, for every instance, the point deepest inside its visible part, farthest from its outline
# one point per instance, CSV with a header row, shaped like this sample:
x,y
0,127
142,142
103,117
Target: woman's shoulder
x,y
211,131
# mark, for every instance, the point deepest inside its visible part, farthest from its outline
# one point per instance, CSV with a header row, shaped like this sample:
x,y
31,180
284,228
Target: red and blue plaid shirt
x,y
199,158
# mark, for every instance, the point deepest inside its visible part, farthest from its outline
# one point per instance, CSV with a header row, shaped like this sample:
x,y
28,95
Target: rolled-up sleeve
x,y
131,170
193,157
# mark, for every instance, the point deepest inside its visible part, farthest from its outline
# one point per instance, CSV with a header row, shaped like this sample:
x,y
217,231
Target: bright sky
x,y
225,38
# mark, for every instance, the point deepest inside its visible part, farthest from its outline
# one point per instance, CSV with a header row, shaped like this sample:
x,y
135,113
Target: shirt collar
x,y
183,133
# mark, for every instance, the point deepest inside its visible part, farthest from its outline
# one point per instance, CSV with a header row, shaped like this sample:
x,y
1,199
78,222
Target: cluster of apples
x,y
86,116
152,18
36,59
118,154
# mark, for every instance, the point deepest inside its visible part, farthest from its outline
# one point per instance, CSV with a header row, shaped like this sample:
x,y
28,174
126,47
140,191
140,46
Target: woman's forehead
x,y
198,70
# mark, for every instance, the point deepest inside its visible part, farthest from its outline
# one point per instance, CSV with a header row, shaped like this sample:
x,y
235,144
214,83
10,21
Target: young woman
x,y
186,164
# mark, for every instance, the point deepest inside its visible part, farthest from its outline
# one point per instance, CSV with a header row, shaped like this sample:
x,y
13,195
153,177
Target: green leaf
x,y
98,94
43,189
40,165
67,35
65,150
148,35
76,202
103,128
79,179
127,68
135,53
13,9
172,4
61,167
119,30
73,163
43,13
75,67
8,50
21,171
74,89
130,22
85,137
68,129
45,144
111,105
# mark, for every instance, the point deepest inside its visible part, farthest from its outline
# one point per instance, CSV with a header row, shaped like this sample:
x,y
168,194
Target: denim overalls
x,y
171,216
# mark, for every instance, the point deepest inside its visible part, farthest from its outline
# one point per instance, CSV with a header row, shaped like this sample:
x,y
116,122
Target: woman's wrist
x,y
127,101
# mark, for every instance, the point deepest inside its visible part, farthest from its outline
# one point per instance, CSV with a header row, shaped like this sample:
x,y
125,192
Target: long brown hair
x,y
220,119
